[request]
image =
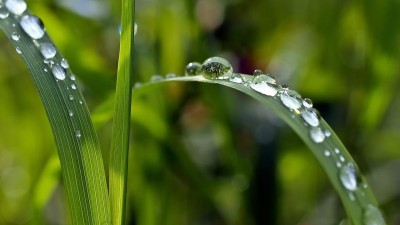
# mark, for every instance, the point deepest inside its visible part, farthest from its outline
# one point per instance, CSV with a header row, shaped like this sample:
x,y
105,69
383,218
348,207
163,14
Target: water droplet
x,y
236,78
216,68
18,50
4,13
311,116
45,70
341,158
64,63
259,76
307,103
264,84
33,26
73,86
352,197
58,72
193,69
72,77
327,133
170,75
348,177
156,78
337,151
48,50
327,153
71,97
258,72
373,216
137,85
15,36
35,42
78,134
70,113
291,99
80,102
317,135
16,6
338,164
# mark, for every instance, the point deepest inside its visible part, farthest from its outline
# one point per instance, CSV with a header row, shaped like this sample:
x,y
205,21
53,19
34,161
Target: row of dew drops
x,y
217,68
34,28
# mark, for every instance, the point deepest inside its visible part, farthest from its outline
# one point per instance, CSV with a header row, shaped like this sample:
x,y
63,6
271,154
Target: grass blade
x,y
77,144
121,122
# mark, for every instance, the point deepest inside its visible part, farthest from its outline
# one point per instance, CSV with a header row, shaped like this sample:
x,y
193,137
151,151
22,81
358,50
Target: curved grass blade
x,y
75,137
354,192
121,123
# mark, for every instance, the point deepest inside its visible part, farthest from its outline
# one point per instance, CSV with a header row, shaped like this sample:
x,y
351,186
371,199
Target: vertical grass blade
x,y
75,137
121,122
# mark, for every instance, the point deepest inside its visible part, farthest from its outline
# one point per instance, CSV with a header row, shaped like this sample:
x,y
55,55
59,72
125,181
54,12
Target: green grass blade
x,y
121,122
77,144
360,204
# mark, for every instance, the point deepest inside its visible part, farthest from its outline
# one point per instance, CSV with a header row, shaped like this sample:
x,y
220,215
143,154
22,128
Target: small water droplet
x,y
264,84
236,78
373,216
15,36
317,135
80,102
64,63
18,50
58,72
307,103
327,133
291,99
352,197
4,13
35,42
33,26
45,70
170,75
217,68
71,97
193,69
156,78
327,153
338,164
337,151
258,72
78,134
341,158
259,76
72,77
73,86
137,85
311,116
348,177
70,112
48,50
16,6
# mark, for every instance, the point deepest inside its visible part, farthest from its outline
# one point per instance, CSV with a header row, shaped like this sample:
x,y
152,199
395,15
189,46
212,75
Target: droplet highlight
x,y
16,7
33,26
317,135
48,50
217,68
348,177
58,72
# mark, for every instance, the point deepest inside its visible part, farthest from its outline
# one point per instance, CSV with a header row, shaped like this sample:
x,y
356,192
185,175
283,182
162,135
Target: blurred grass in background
x,y
203,154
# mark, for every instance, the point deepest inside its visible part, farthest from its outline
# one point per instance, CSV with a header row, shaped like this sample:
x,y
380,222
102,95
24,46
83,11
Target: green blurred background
x,y
202,154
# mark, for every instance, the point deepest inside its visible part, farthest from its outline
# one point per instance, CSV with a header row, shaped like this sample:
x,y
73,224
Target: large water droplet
x,y
217,68
317,135
311,116
33,26
291,99
58,72
236,78
4,13
48,50
15,36
16,6
193,69
264,84
348,177
64,63
373,216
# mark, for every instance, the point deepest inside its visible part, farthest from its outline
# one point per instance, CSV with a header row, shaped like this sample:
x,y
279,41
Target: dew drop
x,y
373,216
352,197
307,103
18,50
236,78
58,72
217,68
45,70
259,76
155,78
15,36
33,26
70,113
264,84
257,72
337,151
137,85
73,86
78,134
311,116
338,164
341,158
327,133
317,135
80,102
291,99
193,69
170,75
48,50
72,77
16,6
71,97
4,13
348,177
327,153
64,63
